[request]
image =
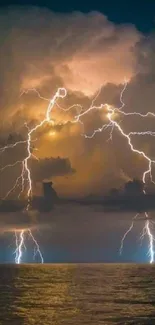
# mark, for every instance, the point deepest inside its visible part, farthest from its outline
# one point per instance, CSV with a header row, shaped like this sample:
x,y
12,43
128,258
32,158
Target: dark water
x,y
77,294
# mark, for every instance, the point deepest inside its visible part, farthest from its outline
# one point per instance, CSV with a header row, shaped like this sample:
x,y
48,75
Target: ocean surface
x,y
77,294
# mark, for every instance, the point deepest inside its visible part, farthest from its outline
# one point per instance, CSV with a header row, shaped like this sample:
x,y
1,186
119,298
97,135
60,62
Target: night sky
x,y
84,47
141,15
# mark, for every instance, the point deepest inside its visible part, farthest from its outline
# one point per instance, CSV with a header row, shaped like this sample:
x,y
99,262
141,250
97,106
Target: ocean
x,y
94,294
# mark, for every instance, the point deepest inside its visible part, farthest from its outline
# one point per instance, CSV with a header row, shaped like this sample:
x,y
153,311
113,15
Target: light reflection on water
x,y
77,294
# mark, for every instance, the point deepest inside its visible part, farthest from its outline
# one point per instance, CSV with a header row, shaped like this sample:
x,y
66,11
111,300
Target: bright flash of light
x,y
52,133
113,124
151,239
20,245
110,113
25,178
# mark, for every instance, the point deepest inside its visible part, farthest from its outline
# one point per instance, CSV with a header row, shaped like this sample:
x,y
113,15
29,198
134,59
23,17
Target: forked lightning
x,y
25,178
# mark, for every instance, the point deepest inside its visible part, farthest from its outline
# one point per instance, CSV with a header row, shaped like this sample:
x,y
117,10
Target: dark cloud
x,y
45,169
81,52
64,218
40,47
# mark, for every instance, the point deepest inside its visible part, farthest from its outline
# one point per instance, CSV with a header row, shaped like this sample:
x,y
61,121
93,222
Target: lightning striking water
x,y
37,250
151,251
19,246
113,124
126,233
25,180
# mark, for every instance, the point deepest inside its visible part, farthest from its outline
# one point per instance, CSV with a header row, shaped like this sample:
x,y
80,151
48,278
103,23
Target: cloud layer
x,y
82,52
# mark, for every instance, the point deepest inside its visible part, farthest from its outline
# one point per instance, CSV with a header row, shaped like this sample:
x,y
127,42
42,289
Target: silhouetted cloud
x,y
45,169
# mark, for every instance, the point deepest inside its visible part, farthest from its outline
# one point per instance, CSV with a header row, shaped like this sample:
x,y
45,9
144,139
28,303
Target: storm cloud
x,y
84,53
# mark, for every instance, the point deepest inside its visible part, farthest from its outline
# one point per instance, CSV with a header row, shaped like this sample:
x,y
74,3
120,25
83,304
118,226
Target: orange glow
x,y
52,133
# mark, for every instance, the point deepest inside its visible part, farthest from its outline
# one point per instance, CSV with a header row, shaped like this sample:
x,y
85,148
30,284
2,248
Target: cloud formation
x,y
45,169
82,52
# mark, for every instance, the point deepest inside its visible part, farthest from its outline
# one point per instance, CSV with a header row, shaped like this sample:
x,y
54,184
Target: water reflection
x,y
77,294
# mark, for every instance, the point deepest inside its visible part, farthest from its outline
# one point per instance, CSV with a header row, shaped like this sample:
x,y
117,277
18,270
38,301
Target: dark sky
x,y
140,14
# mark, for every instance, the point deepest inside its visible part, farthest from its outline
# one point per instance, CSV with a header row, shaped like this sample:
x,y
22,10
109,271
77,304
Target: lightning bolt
x,y
112,124
126,233
147,227
20,245
146,172
25,176
36,247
